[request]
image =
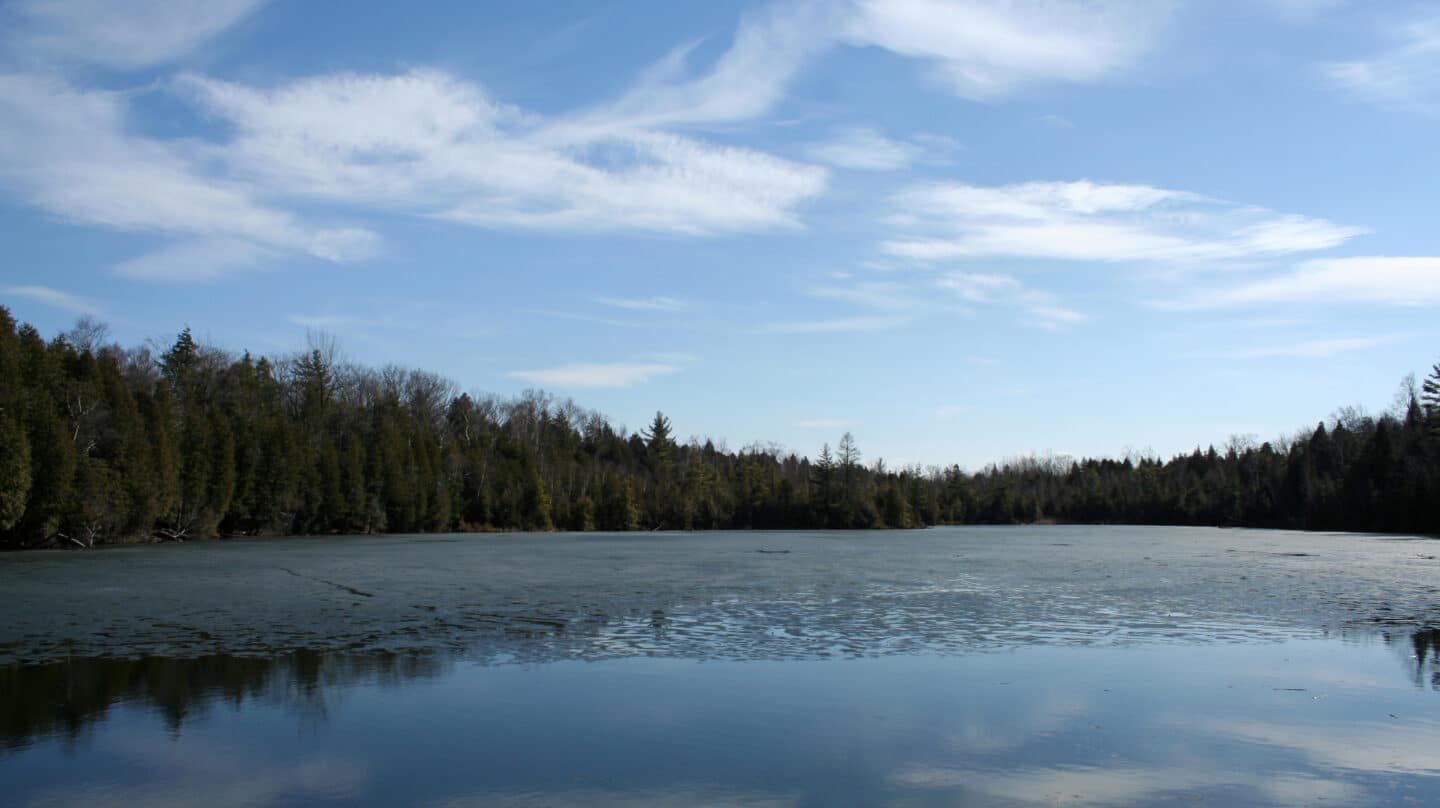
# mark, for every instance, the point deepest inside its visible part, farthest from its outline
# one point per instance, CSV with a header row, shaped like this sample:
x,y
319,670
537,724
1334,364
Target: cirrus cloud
x,y
1378,280
1405,76
981,49
1087,221
47,296
128,35
431,144
864,149
597,374
1037,308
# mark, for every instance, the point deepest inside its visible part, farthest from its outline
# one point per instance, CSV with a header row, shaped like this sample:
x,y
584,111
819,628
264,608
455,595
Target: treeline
x,y
1358,473
104,444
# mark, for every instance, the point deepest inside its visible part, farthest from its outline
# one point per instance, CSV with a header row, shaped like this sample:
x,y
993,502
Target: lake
x,y
1009,666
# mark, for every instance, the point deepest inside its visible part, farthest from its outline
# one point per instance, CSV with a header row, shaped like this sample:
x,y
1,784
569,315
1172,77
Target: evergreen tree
x,y
15,477
822,478
582,515
53,458
1430,398
659,440
99,444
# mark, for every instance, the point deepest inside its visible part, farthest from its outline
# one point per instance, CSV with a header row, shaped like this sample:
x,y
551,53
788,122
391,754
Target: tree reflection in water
x,y
66,698
1426,644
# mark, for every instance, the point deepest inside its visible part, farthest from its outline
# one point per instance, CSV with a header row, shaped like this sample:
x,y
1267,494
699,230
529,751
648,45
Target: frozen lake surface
x,y
953,666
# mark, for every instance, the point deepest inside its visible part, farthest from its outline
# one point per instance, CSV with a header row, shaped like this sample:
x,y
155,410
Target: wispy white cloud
x,y
52,297
430,144
1305,349
426,143
838,324
592,375
1237,323
865,149
1406,75
983,49
1086,221
769,49
884,295
980,287
70,153
194,260
904,300
591,318
1381,280
125,35
1037,308
359,323
422,143
1051,317
656,303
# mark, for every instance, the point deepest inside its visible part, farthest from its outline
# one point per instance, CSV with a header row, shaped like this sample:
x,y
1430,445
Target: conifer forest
x,y
103,444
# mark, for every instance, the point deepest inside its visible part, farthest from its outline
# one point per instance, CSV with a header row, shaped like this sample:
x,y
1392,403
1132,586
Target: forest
x,y
103,444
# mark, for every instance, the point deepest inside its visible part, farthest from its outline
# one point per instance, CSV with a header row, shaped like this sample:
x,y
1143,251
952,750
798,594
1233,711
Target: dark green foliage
x,y
1430,399
15,480
98,444
14,472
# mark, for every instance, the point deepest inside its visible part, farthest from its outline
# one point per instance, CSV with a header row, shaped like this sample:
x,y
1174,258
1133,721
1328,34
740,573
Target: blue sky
x,y
964,230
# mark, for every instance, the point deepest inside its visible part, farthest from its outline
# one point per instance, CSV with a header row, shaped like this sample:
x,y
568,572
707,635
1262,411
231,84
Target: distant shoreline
x,y
479,534
104,445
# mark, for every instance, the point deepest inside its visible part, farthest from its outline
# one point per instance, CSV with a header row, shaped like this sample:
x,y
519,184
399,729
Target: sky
x,y
964,230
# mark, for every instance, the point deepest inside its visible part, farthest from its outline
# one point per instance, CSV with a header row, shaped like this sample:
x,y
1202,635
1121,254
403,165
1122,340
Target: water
x,y
1018,666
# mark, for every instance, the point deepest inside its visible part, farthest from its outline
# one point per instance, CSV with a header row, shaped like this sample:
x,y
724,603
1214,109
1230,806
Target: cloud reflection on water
x,y
1256,724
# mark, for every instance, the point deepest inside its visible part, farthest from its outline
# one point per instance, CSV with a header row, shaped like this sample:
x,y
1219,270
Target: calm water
x,y
1024,666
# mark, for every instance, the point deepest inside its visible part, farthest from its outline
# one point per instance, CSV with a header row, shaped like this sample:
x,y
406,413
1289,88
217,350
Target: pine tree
x,y
659,439
181,364
956,500
163,451
894,509
618,508
822,478
1430,398
52,448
